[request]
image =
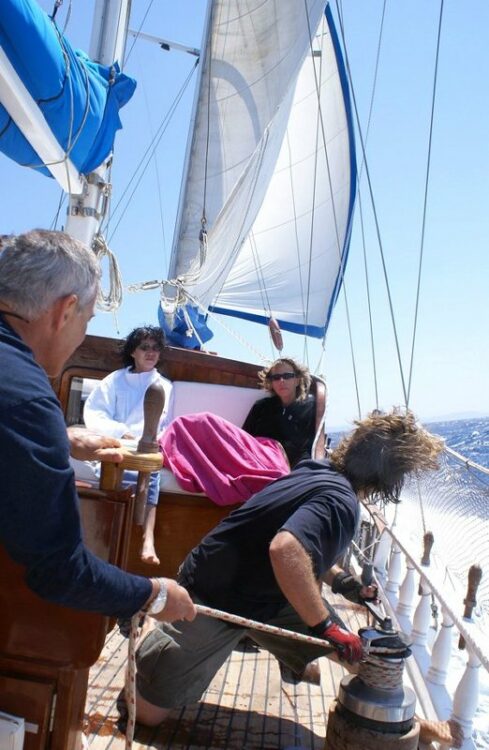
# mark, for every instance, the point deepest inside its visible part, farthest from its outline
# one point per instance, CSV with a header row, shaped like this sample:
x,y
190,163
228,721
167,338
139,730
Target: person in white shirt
x,y
115,408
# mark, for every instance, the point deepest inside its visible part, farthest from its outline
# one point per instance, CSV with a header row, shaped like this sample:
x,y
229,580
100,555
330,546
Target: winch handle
x,y
375,610
367,576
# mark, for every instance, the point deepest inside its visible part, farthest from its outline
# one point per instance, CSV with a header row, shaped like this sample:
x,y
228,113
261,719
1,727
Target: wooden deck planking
x,y
247,706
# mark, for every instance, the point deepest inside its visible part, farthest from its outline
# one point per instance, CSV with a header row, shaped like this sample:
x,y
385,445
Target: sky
x,y
451,362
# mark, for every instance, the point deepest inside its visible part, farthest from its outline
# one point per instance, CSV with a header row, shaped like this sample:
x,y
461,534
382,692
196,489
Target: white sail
x,y
299,241
254,55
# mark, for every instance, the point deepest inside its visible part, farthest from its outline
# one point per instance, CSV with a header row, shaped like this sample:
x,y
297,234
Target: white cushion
x,y
168,483
228,401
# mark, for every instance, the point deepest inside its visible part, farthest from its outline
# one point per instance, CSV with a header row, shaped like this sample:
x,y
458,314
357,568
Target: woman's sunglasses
x,y
150,347
281,376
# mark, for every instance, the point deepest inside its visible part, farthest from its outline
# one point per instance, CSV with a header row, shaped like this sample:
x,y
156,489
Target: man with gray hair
x,y
49,284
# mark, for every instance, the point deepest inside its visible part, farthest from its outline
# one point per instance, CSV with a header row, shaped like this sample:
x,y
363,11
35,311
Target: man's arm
x,y
293,570
350,587
178,604
88,446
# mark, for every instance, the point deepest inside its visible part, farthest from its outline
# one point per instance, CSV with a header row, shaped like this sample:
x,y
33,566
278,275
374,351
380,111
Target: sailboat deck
x,y
247,706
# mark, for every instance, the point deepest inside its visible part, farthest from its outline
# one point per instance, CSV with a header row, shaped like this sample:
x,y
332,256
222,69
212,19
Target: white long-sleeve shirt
x,y
115,406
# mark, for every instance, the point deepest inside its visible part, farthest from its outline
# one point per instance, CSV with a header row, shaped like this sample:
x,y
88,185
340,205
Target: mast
x,y
109,34
172,269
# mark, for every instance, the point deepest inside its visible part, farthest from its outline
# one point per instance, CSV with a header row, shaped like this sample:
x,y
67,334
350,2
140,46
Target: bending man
x,y
265,561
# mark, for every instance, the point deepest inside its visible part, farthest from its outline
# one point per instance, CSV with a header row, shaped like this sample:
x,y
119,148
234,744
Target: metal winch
x,y
376,698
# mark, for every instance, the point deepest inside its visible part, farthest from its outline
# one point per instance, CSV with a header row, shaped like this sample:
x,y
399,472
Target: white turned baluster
x,y
406,592
381,555
466,697
442,647
394,570
422,617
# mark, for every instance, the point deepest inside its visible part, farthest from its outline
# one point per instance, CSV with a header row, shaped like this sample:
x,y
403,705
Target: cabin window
x,y
78,392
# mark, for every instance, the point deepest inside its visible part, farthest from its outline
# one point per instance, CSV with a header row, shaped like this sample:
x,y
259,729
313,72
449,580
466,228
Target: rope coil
x,y
112,300
377,672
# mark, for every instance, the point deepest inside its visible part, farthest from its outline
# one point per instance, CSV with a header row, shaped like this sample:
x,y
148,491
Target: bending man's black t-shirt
x,y
231,569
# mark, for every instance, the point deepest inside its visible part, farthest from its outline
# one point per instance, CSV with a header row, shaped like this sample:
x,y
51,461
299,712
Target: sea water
x,y
470,437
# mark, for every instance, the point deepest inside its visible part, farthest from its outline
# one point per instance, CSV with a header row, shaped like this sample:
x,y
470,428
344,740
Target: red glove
x,y
348,645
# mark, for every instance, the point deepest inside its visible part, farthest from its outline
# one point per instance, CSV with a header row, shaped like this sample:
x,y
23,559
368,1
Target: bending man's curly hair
x,y
382,449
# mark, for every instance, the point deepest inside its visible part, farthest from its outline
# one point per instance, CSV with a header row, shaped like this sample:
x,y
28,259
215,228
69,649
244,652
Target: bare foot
x,y
148,553
447,732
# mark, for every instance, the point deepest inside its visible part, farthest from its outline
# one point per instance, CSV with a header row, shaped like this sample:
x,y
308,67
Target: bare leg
x,y
447,732
149,714
148,552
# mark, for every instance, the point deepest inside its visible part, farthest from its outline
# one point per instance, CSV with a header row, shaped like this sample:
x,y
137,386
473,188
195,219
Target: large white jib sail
x,y
267,200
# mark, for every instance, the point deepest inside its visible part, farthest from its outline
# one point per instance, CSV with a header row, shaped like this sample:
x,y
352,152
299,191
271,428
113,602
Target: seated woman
x,y
211,455
289,416
115,408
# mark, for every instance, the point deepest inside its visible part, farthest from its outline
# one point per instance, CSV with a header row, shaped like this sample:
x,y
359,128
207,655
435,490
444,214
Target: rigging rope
x,y
207,138
185,295
112,300
259,275
369,304
359,178
317,84
407,391
62,199
425,201
341,257
56,7
263,292
136,37
149,153
374,211
377,673
296,233
72,139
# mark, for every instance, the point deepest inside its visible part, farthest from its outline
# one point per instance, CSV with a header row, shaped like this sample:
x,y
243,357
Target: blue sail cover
x,y
179,327
80,99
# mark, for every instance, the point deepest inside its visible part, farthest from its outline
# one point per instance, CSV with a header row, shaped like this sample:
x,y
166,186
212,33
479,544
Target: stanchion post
x,y
474,579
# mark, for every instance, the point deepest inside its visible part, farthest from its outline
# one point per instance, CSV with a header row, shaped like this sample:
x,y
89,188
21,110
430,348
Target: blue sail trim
x,y
353,162
315,332
80,99
179,333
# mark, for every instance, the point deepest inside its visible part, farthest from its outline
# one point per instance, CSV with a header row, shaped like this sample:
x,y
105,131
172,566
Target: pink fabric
x,y
209,454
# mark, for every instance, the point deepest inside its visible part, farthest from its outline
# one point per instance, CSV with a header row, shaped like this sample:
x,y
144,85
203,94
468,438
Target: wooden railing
x,y
413,594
